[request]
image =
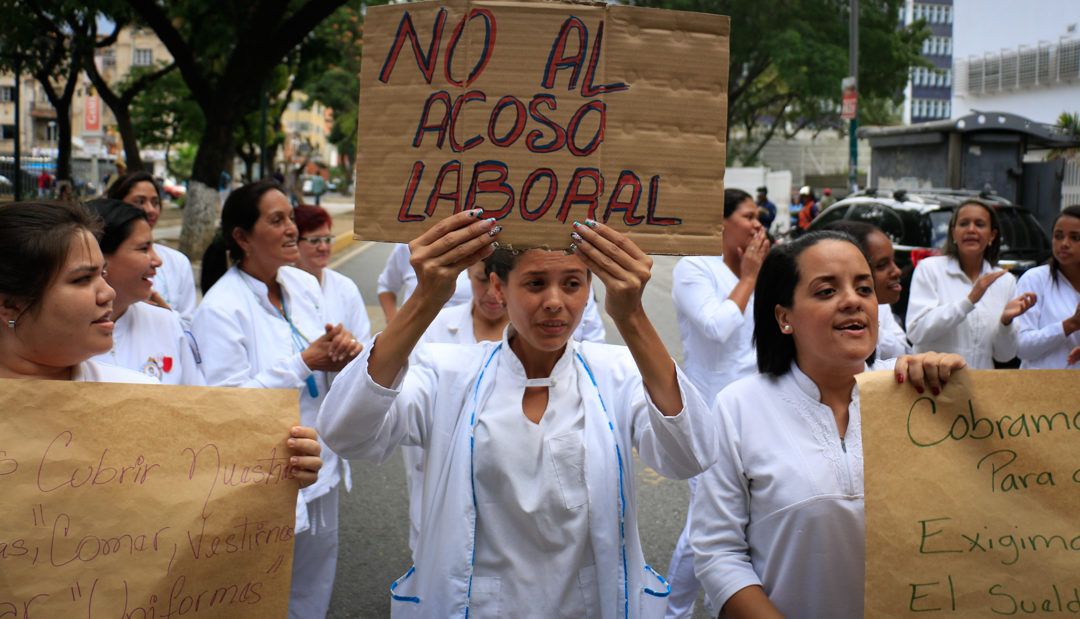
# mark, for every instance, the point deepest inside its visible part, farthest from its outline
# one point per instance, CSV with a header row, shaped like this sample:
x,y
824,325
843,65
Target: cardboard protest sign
x,y
972,496
543,113
140,501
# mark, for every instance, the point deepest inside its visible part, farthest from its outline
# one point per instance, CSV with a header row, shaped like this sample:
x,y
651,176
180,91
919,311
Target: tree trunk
x,y
131,145
202,207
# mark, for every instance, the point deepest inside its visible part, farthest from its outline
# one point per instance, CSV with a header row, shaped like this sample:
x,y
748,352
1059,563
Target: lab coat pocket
x,y
484,600
654,594
590,590
568,458
404,601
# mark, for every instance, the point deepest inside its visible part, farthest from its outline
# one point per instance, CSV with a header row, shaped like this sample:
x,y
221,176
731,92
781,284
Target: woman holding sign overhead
x,y
528,501
262,325
777,526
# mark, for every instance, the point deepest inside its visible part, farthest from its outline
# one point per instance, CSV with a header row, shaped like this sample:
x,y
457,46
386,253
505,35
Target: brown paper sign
x,y
144,501
544,113
972,496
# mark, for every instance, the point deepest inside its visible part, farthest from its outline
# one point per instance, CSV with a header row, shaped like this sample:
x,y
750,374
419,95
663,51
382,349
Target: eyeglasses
x,y
315,240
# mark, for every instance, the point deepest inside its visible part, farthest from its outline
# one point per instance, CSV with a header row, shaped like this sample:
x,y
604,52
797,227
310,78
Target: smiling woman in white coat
x,y
262,325
528,495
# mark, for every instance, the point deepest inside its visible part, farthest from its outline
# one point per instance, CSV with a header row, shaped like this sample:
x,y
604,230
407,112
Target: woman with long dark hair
x,y
778,523
1050,330
961,302
262,324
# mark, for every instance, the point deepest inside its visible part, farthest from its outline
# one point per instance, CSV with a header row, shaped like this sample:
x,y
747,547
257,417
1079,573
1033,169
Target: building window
x,y
52,133
108,58
7,94
142,58
7,132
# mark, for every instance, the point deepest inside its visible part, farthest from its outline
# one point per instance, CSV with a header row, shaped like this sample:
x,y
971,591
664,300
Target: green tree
x,y
225,52
789,56
49,39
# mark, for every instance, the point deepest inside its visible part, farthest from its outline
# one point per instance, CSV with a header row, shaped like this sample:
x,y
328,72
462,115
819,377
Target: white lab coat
x,y
245,342
1042,342
940,317
433,404
716,335
783,507
175,282
344,304
152,340
398,274
891,339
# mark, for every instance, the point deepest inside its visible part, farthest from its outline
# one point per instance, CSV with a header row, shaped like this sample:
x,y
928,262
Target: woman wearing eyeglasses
x,y
343,301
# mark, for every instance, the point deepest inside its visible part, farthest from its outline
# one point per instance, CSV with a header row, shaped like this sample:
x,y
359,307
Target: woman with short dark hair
x,y
892,341
148,338
778,522
960,302
528,493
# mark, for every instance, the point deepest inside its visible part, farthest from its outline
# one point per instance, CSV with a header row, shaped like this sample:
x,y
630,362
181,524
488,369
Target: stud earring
x,y
11,323
787,328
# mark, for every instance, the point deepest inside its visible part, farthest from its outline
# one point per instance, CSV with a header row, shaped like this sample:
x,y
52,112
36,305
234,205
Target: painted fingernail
x,y
577,224
919,390
900,378
935,391
590,222
572,249
494,230
476,212
494,244
294,460
292,442
576,236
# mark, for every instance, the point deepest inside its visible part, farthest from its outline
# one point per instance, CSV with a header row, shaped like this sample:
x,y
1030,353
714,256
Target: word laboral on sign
x,y
520,110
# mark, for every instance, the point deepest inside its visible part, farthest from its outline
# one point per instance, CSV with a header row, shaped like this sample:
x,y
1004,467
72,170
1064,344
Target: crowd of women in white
x,y
516,418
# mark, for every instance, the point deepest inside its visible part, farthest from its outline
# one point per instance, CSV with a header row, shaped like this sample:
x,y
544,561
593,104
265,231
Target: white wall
x,y
981,26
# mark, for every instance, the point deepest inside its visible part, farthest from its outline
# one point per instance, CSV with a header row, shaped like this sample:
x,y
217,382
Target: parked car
x,y
173,189
917,222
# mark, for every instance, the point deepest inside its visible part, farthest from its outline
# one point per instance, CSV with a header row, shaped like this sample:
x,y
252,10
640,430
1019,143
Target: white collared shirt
x,y
940,318
783,506
91,371
175,282
892,341
1042,341
716,335
344,304
152,340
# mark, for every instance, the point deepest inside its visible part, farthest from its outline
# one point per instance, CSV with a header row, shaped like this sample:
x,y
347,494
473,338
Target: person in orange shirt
x,y
809,207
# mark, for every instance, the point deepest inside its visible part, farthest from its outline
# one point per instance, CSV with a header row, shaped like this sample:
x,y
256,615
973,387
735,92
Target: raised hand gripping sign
x,y
544,113
972,496
144,501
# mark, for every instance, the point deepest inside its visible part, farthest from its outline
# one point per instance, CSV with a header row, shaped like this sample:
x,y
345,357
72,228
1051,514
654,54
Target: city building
x,y
928,92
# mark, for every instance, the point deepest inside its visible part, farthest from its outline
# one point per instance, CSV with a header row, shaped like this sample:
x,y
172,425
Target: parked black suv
x,y
917,222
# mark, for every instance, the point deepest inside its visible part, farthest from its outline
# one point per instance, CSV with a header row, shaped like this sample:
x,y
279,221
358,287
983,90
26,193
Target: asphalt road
x,y
374,522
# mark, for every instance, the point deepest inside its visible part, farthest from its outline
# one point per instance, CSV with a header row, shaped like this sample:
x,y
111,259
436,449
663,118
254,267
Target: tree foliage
x,y
789,56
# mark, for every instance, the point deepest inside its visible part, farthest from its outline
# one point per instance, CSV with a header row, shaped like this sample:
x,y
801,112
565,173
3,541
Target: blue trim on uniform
x,y
472,471
404,598
661,579
622,492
